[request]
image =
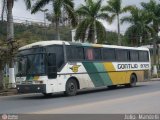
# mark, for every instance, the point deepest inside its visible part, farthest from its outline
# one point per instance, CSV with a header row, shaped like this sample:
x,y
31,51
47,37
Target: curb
x,y
155,79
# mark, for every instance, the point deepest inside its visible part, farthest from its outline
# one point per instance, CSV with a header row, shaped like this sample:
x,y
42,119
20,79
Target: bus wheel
x,y
71,87
133,81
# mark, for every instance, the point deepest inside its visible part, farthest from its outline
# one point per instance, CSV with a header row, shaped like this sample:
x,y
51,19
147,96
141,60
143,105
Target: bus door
x,y
52,72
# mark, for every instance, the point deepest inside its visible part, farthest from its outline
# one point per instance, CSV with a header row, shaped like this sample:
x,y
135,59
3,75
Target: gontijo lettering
x,y
127,66
132,66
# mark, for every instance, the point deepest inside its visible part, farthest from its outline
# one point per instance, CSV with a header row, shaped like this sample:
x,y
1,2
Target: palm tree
x,y
114,7
3,59
58,5
139,20
90,25
153,8
10,26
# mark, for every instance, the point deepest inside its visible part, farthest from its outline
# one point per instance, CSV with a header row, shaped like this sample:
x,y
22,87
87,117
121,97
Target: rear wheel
x,y
71,87
133,81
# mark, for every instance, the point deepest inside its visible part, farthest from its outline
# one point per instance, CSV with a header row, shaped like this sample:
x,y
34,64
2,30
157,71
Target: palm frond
x,y
72,15
82,30
100,31
57,5
83,11
70,3
128,8
96,7
38,5
127,19
112,18
108,9
28,4
103,16
91,33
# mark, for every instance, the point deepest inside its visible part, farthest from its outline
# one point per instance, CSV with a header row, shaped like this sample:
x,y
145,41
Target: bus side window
x,y
122,55
89,54
109,54
133,56
58,50
143,56
97,54
75,53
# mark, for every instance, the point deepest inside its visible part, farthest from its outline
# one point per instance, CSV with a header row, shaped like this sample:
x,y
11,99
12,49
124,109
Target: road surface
x,y
145,98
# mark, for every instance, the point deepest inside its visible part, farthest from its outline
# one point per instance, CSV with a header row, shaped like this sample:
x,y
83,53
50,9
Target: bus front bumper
x,y
41,88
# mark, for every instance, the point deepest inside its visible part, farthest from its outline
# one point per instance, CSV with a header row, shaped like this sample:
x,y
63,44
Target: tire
x,y
133,81
71,87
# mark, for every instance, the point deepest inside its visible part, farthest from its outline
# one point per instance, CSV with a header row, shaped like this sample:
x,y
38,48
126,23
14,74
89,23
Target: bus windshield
x,y
33,64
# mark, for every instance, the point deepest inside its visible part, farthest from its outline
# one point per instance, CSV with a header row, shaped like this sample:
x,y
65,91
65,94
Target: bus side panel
x,y
117,77
139,74
97,73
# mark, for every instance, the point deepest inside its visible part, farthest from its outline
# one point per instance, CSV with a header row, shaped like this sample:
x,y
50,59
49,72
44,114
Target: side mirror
x,y
52,66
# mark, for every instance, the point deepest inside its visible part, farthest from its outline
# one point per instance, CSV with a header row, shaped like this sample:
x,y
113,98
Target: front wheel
x,y
71,87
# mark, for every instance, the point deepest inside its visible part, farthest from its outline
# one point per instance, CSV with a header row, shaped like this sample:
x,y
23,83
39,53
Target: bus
x,y
58,66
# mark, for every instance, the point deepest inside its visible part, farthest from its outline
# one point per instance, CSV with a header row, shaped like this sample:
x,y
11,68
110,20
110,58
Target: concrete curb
x,y
155,79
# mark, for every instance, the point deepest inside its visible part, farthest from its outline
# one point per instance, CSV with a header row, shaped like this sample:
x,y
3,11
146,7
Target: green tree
x,y
139,29
153,8
58,5
10,25
90,26
114,7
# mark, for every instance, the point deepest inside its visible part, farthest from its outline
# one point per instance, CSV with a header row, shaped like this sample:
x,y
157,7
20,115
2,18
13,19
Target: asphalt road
x,y
145,98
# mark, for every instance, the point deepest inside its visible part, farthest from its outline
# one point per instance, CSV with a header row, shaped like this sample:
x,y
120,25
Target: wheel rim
x,y
71,87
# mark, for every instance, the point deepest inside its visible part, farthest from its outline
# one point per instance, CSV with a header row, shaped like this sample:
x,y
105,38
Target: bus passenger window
x,y
109,54
89,54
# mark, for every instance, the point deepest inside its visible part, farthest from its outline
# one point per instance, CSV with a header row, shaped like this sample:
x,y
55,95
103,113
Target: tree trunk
x,y
118,27
57,29
95,34
154,50
3,8
10,27
10,39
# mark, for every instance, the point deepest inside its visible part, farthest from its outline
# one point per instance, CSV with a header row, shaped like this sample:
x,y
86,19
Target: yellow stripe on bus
x,y
123,77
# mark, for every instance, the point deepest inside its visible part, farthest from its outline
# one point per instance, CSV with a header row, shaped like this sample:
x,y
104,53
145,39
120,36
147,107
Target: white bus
x,y
58,66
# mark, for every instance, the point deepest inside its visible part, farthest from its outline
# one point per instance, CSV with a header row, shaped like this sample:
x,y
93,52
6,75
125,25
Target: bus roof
x,y
58,42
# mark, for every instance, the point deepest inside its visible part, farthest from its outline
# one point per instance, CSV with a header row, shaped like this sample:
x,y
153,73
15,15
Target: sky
x,y
20,12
